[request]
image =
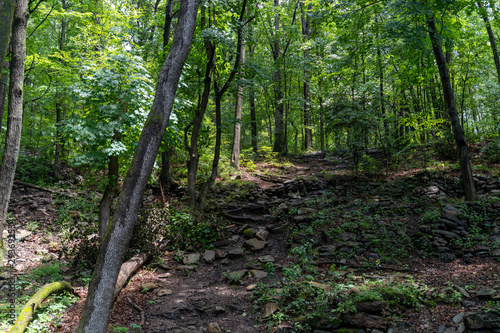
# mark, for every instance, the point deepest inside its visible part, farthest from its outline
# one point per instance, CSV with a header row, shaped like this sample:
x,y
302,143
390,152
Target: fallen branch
x,y
138,308
34,303
127,270
44,189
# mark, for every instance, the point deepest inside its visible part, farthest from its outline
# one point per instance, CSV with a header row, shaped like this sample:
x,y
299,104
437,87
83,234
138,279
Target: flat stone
x,y
219,309
373,307
191,258
485,293
64,269
22,234
220,253
249,233
149,286
209,256
478,320
326,248
262,234
234,238
325,287
447,234
258,274
458,318
363,320
269,309
303,211
462,291
49,257
237,275
164,292
254,244
236,252
402,327
251,287
266,258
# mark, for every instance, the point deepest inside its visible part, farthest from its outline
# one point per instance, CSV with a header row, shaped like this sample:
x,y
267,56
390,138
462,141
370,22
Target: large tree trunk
x,y
113,248
491,37
165,155
235,154
306,34
6,17
463,156
15,112
194,156
279,138
3,96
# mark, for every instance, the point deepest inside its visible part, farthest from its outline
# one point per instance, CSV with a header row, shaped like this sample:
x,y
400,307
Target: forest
x,y
343,139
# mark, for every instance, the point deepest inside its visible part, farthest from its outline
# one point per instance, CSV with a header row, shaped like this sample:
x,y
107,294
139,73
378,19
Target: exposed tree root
x,y
34,303
127,270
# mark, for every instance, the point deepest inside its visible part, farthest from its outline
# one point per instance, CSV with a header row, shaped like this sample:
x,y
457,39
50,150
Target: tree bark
x,y
6,18
15,112
279,144
113,248
235,154
3,96
165,155
306,35
491,37
194,156
463,156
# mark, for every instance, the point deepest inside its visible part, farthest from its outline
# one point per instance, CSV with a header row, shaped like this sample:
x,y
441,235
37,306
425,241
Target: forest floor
x,y
317,216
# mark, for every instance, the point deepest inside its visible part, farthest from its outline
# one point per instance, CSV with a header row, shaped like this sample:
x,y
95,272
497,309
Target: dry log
x,y
127,270
44,189
34,303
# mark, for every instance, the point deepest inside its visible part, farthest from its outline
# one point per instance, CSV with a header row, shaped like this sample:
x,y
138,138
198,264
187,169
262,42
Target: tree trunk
x,y
235,154
165,155
194,156
112,250
6,18
253,118
219,93
3,96
463,156
491,37
306,35
278,93
110,192
15,112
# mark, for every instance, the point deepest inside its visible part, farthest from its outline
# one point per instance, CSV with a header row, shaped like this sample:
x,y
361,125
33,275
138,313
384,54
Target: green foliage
x,y
34,170
180,228
48,273
116,97
492,150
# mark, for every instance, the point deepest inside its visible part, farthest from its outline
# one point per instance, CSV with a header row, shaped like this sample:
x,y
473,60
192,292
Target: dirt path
x,y
211,291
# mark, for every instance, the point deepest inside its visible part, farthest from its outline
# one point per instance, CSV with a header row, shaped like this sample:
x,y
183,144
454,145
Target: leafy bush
x,y
492,150
34,170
